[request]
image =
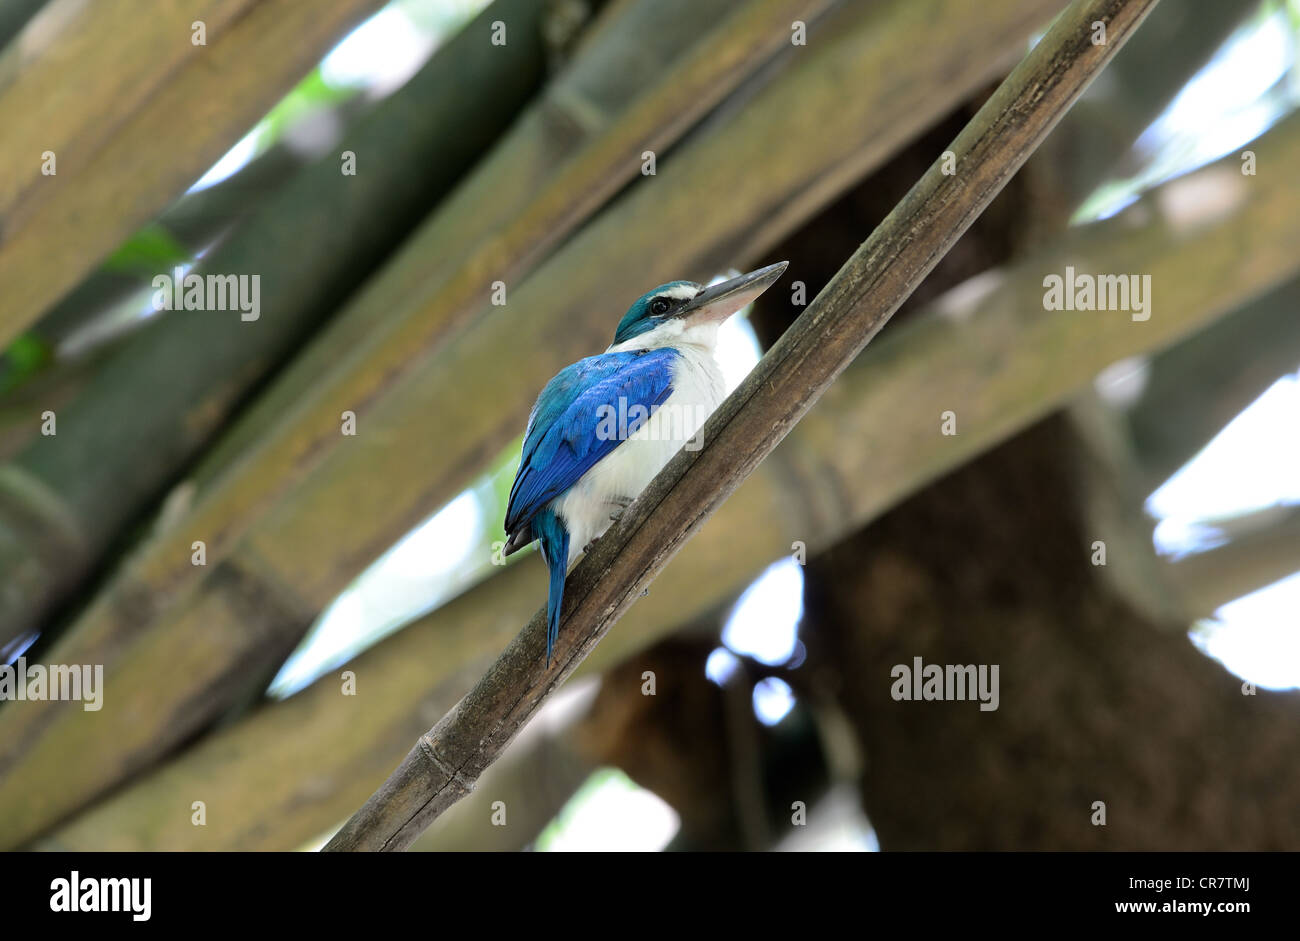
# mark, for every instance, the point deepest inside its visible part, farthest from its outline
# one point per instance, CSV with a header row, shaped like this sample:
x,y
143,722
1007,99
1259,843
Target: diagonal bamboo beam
x,y
448,759
1094,143
14,15
134,112
1207,580
1193,390
197,222
987,350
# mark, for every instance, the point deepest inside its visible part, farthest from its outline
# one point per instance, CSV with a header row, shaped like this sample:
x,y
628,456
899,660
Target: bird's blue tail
x,y
553,539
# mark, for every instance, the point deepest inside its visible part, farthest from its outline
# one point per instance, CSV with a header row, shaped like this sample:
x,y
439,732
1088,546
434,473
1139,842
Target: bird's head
x,y
686,312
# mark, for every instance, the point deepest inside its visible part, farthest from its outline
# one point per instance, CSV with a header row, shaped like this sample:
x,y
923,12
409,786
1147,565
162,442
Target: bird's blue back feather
x,y
562,443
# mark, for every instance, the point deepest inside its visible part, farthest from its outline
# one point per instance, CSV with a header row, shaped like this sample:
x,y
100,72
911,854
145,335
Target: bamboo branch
x,y
1194,389
14,15
1095,142
1207,580
446,761
535,780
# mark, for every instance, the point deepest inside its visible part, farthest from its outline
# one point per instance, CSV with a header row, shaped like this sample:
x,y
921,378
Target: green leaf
x,y
26,356
150,251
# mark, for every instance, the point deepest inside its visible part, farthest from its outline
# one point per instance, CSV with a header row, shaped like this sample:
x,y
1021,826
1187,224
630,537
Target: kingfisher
x,y
606,425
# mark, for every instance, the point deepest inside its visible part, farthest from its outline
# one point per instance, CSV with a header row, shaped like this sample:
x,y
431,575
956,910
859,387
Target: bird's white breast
x,y
587,507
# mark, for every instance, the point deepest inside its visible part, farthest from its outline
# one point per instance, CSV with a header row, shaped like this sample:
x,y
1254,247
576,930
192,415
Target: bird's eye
x,y
659,306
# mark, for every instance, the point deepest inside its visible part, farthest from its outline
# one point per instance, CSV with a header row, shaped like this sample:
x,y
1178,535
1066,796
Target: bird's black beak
x,y
717,302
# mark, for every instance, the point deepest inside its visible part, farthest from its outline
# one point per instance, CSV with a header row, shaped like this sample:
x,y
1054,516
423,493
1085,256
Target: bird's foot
x,y
622,503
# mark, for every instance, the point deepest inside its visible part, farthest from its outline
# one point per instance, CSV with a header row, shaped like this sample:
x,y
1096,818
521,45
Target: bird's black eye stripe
x,y
659,306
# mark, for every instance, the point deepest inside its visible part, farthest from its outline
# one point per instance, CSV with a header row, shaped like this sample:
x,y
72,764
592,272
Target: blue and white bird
x,y
605,426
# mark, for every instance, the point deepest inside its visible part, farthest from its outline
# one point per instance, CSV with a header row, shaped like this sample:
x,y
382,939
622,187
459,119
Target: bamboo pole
x,y
1095,142
195,222
986,350
447,760
1207,580
132,116
14,15
535,781
1192,391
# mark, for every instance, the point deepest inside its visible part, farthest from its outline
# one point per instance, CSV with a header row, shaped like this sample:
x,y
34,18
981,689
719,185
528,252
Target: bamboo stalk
x,y
1192,391
986,350
14,15
133,117
196,222
534,782
1095,142
1207,580
448,759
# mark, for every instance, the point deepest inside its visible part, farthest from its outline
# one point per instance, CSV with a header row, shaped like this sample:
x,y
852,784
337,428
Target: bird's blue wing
x,y
562,441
